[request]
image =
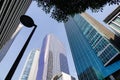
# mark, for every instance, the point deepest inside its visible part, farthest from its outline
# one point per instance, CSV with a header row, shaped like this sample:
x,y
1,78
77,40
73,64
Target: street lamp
x,y
26,21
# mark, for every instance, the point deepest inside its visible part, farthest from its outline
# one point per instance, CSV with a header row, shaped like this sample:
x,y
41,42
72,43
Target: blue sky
x,y
45,25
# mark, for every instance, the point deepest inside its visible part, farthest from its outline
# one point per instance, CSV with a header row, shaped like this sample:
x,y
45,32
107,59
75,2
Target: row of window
x,y
28,66
115,24
101,45
81,51
117,20
108,54
89,74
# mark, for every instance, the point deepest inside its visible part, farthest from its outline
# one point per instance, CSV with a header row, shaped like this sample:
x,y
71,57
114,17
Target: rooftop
x,y
110,16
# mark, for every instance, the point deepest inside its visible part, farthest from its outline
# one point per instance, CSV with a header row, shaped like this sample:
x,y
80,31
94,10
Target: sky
x,y
45,25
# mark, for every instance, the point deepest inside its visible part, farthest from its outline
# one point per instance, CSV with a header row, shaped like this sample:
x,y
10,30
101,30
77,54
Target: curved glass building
x,y
53,59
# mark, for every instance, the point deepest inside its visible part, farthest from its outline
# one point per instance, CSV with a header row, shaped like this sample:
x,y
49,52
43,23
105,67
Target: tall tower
x,y
10,12
53,58
30,68
95,58
63,76
5,48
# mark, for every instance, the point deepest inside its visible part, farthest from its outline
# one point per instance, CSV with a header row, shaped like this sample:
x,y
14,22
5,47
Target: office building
x,y
5,48
95,58
30,68
63,76
113,20
53,58
10,12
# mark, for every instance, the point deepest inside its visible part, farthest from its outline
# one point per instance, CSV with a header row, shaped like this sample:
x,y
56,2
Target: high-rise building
x,y
63,76
30,68
10,12
95,58
53,58
113,20
5,48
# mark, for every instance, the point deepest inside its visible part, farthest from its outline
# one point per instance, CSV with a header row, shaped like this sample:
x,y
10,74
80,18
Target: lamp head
x,y
27,21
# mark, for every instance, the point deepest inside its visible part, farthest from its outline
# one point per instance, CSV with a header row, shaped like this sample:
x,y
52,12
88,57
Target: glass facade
x,y
92,53
55,60
41,64
116,21
28,66
63,76
115,24
104,49
63,63
50,66
86,74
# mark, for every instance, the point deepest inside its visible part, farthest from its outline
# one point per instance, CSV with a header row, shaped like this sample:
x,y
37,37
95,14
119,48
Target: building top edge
x,y
112,14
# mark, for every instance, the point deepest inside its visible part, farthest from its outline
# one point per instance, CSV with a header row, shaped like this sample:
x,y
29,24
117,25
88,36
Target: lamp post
x,y
26,21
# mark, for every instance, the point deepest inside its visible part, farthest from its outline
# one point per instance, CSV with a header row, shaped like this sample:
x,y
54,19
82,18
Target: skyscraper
x,y
53,58
30,68
5,48
113,20
10,12
95,58
63,76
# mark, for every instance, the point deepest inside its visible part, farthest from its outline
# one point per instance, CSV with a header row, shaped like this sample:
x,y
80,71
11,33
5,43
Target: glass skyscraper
x,y
63,76
30,68
53,59
95,58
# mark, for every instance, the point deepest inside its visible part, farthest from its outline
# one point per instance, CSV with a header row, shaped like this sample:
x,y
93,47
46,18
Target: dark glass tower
x,y
95,58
